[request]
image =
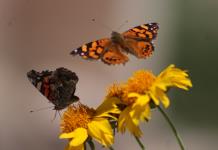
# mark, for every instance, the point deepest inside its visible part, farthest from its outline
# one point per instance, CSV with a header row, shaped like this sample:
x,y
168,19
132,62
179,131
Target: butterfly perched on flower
x,y
136,41
57,86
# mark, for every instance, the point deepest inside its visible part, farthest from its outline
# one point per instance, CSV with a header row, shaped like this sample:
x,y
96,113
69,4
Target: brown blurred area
x,y
40,35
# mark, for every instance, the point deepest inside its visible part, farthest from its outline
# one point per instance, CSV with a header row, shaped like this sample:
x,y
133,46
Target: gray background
x,y
40,34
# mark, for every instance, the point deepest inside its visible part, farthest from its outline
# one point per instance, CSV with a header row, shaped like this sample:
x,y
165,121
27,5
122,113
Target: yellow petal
x,y
183,84
126,121
66,135
141,100
147,113
122,119
101,131
109,106
78,136
132,95
80,147
173,76
164,99
138,107
162,85
154,96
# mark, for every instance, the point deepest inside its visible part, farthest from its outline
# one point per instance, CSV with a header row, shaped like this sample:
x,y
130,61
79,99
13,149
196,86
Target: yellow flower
x,y
79,123
131,116
142,88
170,77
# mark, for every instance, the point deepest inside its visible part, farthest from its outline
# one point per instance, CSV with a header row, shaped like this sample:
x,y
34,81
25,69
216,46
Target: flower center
x,y
116,90
76,116
140,83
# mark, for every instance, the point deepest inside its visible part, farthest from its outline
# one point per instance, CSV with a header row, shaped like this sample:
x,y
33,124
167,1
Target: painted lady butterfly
x,y
57,86
137,41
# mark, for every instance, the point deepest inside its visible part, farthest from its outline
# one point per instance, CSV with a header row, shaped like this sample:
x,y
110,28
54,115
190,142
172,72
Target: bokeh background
x,y
40,34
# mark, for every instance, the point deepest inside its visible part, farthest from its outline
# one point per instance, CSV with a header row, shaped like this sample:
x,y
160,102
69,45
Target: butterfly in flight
x,y
136,41
57,86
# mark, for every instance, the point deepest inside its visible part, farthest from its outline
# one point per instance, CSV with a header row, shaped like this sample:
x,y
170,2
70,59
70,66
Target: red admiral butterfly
x,y
57,86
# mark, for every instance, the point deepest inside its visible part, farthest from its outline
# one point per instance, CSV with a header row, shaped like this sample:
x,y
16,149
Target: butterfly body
x,y
57,86
136,41
117,38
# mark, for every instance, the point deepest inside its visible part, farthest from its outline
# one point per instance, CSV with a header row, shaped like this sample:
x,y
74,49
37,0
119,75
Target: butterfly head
x,y
116,37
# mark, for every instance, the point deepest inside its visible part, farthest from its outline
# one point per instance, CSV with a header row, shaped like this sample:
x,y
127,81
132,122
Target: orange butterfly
x,y
136,41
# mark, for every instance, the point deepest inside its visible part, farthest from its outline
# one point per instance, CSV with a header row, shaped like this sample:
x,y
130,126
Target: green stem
x,y
140,143
91,144
172,127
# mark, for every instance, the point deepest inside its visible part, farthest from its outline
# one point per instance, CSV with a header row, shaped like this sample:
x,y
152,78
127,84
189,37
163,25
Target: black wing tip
x,y
154,25
74,52
31,74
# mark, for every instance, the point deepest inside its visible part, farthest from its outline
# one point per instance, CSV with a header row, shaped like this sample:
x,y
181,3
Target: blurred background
x,y
40,35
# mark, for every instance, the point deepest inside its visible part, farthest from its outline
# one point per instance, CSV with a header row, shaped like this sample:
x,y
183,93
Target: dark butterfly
x,y
57,86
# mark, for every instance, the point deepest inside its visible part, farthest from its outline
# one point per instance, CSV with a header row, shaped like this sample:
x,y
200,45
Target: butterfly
x,y
57,86
136,41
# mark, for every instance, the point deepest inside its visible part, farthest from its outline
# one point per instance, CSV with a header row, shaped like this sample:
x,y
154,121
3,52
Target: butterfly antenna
x,y
40,109
59,113
123,24
102,25
54,115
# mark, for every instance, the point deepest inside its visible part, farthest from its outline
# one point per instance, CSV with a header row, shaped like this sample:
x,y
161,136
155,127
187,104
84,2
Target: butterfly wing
x,y
92,50
102,49
139,39
40,80
63,86
57,86
141,49
113,55
145,32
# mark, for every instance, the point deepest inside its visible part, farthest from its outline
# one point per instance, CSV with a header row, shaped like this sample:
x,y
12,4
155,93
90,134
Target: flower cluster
x,y
124,107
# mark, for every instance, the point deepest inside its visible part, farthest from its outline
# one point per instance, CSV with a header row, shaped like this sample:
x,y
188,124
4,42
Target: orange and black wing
x,y
92,50
145,32
113,55
102,49
139,39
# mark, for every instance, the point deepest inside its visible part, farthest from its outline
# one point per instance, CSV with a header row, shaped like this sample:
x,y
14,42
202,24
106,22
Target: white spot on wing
x,y
75,50
38,86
